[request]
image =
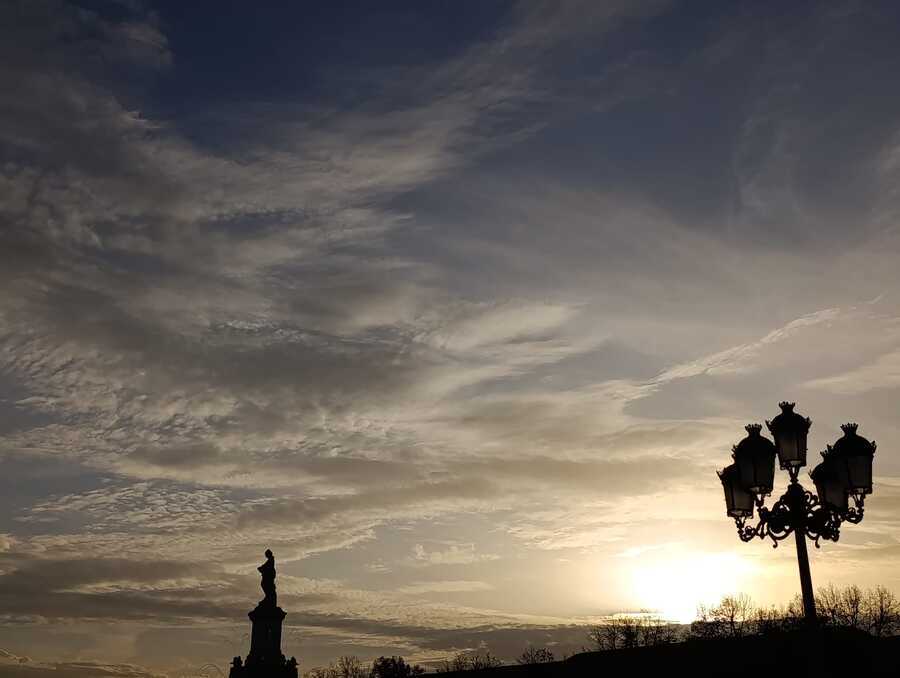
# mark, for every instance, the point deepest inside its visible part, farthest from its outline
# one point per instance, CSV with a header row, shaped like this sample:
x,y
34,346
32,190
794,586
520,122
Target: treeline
x,y
352,667
875,611
397,667
628,631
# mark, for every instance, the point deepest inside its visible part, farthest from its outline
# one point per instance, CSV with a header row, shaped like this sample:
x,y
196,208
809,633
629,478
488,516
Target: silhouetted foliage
x,y
535,655
733,617
882,612
633,631
458,663
772,619
469,662
394,667
483,661
875,611
344,667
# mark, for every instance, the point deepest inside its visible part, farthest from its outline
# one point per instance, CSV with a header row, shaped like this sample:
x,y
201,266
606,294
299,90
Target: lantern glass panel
x,y
859,473
764,472
854,455
835,495
745,471
790,431
790,452
738,501
829,487
755,459
841,470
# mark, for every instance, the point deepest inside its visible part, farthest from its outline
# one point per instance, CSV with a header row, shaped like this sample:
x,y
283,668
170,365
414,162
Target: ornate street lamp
x,y
845,473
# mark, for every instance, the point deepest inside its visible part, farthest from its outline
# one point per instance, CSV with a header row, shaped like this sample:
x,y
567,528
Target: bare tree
x,y
657,631
350,667
470,662
613,634
344,667
733,617
881,612
852,599
535,655
876,611
829,604
483,661
459,662
794,608
773,619
394,667
737,612
624,632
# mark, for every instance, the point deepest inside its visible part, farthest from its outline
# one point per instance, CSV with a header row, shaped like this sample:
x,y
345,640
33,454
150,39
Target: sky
x,y
457,307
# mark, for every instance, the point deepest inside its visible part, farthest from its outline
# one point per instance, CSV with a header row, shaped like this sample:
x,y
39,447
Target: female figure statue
x,y
267,570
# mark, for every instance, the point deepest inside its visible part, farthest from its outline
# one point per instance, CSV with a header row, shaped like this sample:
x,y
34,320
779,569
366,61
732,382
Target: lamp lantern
x,y
738,501
790,431
755,460
853,456
829,484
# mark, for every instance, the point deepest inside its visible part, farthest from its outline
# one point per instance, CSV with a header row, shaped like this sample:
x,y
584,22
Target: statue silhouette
x,y
267,570
265,659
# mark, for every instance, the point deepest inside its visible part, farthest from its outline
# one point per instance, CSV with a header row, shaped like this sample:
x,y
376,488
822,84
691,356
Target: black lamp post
x,y
845,473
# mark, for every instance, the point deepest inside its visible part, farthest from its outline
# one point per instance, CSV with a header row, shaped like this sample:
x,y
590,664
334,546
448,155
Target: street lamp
x,y
845,473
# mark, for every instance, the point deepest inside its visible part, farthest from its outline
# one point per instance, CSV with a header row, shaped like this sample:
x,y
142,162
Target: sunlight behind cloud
x,y
675,585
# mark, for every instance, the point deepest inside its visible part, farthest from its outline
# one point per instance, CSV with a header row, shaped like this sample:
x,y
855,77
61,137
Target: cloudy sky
x,y
456,307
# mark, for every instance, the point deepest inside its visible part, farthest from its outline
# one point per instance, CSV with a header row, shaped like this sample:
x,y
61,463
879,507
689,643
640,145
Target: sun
x,y
674,586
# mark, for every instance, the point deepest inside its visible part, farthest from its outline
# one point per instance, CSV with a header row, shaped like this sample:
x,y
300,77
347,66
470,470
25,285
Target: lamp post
x,y
845,473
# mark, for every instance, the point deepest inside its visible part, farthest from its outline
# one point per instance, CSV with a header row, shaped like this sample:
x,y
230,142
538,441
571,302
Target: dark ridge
x,y
822,653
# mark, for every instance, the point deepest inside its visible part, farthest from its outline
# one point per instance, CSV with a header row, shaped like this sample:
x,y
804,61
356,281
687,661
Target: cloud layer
x,y
450,329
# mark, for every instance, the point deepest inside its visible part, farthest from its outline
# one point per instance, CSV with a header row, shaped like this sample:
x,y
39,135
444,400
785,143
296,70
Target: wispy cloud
x,y
450,586
884,373
465,316
454,554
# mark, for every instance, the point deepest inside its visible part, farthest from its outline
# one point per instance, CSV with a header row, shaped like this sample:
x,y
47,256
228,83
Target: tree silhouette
x,y
346,666
394,667
882,612
875,611
629,631
470,662
733,617
535,655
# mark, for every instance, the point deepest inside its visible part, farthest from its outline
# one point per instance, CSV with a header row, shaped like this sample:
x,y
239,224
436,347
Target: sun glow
x,y
674,586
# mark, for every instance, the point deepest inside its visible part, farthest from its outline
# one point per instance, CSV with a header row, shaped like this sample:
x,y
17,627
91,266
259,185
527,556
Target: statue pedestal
x,y
265,641
265,659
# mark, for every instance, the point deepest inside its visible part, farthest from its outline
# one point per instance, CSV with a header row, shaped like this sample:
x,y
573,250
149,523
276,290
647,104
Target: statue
x,y
267,570
265,659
